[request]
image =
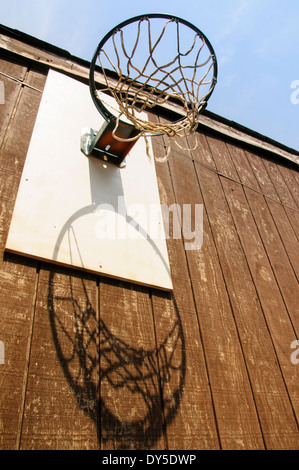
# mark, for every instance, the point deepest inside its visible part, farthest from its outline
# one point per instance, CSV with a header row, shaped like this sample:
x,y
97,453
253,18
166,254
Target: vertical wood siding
x,y
94,363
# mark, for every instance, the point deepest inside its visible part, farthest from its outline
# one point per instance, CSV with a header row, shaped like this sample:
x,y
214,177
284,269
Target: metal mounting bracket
x,y
102,144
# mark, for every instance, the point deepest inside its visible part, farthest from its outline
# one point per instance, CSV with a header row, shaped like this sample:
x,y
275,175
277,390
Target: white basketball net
x,y
144,84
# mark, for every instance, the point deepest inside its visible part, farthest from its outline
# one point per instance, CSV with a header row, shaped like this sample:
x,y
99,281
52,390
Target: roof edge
x,y
40,44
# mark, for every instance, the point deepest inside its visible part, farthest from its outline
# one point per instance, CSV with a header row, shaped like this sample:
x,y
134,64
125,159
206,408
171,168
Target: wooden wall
x,y
93,363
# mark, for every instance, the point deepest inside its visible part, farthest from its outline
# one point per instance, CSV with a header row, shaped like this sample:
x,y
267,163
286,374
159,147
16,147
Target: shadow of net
x,y
130,393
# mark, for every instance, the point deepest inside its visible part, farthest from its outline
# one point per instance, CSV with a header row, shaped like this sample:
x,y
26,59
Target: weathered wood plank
x,y
282,268
15,148
286,232
294,219
263,179
36,79
282,383
130,398
252,329
243,167
225,364
18,278
289,177
187,404
12,68
202,153
222,158
236,416
61,407
296,175
11,93
191,424
280,185
17,291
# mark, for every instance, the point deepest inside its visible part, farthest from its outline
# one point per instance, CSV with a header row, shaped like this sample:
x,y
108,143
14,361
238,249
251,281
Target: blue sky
x,y
256,44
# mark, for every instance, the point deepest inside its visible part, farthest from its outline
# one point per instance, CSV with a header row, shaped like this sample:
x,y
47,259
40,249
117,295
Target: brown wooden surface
x,y
18,278
195,398
226,368
93,363
130,396
62,382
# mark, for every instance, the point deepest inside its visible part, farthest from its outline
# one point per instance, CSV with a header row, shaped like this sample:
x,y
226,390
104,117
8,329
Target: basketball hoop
x,y
145,62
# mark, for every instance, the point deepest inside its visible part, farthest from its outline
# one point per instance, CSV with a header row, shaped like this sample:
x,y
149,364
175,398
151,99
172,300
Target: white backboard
x,y
77,211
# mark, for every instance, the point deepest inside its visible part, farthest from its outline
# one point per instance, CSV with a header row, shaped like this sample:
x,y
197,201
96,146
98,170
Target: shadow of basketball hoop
x,y
100,366
93,359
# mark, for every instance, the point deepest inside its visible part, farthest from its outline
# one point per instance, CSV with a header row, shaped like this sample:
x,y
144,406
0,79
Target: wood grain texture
x,y
280,185
130,395
291,179
11,92
279,260
252,329
284,378
202,153
258,166
193,425
243,167
283,223
222,158
225,364
18,279
293,217
61,408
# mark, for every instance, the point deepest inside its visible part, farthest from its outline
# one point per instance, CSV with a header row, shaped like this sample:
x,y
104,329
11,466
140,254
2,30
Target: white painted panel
x,y
59,214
